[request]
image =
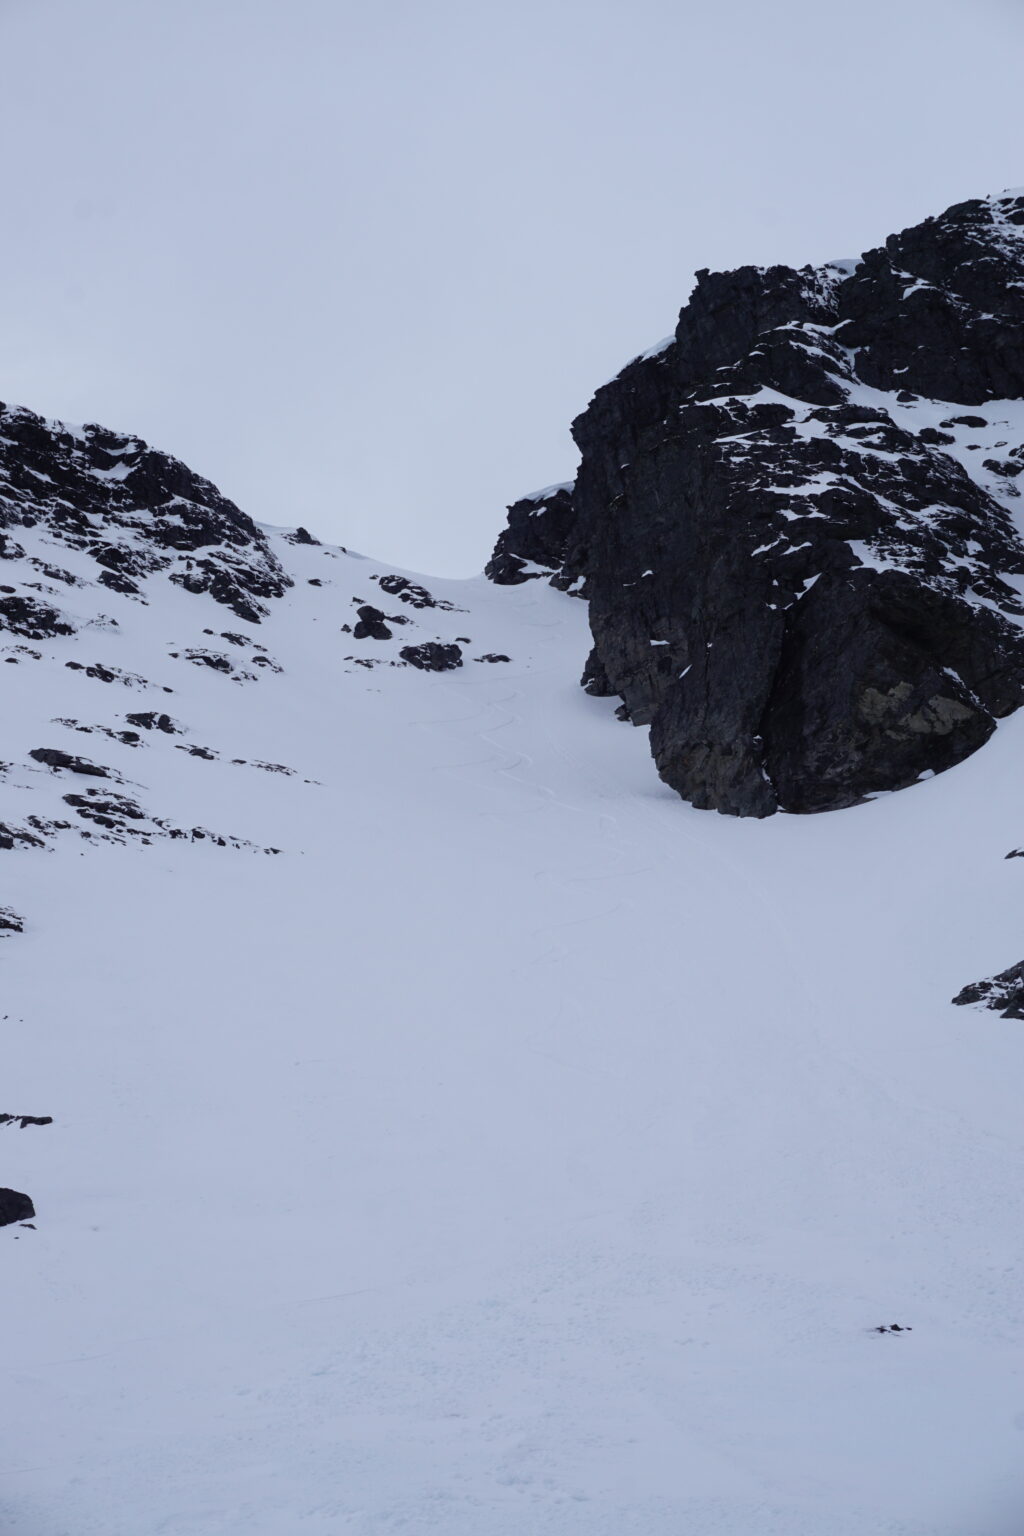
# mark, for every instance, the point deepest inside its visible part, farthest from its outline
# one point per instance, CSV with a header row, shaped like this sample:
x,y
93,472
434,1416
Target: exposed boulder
x,y
432,656
32,620
53,757
536,540
152,720
412,593
371,625
14,1207
806,588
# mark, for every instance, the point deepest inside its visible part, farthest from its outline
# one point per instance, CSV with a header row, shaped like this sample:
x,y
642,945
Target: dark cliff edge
x,y
794,525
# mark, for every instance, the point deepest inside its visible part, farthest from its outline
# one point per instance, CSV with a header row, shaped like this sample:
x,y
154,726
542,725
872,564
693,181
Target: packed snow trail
x,y
518,1149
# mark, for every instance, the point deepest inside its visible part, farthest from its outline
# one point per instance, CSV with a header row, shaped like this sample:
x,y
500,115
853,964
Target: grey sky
x,y
362,264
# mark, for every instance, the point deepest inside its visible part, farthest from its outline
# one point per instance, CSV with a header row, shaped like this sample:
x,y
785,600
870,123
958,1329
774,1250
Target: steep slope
x,y
800,550
510,1149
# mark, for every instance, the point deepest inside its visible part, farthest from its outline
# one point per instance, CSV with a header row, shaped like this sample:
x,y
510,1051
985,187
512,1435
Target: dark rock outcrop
x,y
432,656
371,625
32,620
134,511
14,1207
412,593
17,837
536,540
151,720
53,757
803,575
1004,993
107,810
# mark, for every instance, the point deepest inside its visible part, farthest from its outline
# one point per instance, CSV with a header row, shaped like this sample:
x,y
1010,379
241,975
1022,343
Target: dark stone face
x,y
432,656
14,1207
412,593
135,511
800,589
535,542
1003,993
53,757
33,621
371,625
151,720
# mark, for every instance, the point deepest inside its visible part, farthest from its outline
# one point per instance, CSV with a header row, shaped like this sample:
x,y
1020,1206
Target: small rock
x,y
14,1207
52,757
150,720
371,624
432,656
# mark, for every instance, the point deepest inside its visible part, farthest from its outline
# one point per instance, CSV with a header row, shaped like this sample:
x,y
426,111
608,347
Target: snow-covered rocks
x,y
117,512
1004,992
801,554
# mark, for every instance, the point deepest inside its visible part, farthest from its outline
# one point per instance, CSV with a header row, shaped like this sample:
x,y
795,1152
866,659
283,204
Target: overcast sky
x,y
361,264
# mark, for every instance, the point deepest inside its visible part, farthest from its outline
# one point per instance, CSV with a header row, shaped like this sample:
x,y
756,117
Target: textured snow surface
x,y
520,1152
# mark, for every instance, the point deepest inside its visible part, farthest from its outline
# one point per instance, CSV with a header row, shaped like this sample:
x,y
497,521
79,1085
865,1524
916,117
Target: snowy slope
x,y
518,1150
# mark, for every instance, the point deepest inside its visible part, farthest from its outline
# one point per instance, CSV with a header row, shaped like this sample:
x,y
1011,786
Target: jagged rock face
x,y
134,510
799,550
1003,993
536,540
15,1206
939,309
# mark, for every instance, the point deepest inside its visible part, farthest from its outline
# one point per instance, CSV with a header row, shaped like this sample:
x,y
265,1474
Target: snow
x,y
520,1150
526,568
549,491
658,348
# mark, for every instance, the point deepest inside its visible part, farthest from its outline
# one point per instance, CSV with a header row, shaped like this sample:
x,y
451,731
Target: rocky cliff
x,y
794,521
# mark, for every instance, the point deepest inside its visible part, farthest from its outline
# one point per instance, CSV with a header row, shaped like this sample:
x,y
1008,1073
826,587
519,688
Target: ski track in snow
x,y
520,1150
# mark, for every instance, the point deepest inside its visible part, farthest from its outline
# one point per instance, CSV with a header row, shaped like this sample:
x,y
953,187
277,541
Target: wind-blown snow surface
x,y
519,1150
